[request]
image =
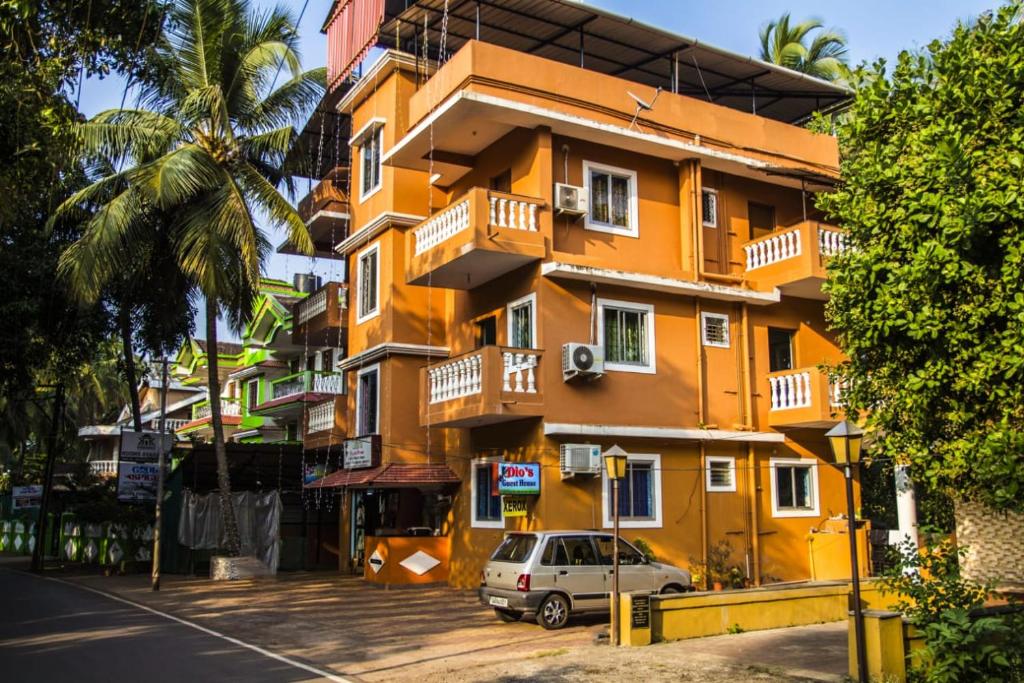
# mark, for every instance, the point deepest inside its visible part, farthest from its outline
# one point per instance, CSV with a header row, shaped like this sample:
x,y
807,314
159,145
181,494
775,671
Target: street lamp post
x,y
615,467
845,439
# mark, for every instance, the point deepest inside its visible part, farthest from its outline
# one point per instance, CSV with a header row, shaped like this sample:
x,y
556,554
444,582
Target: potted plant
x,y
718,564
698,573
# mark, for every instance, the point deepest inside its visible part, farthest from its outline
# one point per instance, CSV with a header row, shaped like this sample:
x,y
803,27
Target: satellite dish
x,y
642,105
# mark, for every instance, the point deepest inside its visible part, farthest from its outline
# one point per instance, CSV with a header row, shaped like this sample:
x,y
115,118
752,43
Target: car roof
x,y
561,532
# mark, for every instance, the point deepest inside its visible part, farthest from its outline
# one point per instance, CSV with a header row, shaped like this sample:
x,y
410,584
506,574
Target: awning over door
x,y
394,475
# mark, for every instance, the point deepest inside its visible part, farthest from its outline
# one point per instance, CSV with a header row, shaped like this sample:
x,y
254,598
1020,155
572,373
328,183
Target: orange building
x,y
571,231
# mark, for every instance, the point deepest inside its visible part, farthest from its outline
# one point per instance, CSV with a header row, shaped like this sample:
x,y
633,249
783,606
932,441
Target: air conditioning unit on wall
x,y
570,199
582,360
579,458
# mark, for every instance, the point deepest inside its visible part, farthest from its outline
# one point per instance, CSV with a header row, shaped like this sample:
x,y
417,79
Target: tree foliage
x,y
928,302
785,44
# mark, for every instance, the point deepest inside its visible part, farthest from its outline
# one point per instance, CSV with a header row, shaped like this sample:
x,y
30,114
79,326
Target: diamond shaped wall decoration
x,y
420,563
376,562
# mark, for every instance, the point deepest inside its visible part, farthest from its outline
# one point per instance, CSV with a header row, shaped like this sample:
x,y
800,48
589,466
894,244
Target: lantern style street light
x,y
615,467
846,439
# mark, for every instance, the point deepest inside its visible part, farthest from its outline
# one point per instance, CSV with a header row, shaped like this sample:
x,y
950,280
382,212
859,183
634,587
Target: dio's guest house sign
x,y
519,478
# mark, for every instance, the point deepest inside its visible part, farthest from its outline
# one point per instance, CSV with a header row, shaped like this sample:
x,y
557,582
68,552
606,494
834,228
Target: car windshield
x,y
515,548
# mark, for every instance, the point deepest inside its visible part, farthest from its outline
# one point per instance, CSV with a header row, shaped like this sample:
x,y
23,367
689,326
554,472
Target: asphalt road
x,y
54,632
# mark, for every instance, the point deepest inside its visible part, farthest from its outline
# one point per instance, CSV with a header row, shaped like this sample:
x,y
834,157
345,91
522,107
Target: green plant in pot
x,y
718,567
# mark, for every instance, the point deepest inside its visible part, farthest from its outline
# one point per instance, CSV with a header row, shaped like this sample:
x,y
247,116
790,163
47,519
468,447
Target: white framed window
x,y
714,329
626,330
639,494
721,473
252,394
368,283
613,199
371,155
486,502
368,401
522,322
794,484
709,207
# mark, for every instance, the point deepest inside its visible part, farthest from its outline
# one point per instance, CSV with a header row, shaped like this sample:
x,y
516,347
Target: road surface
x,y
52,631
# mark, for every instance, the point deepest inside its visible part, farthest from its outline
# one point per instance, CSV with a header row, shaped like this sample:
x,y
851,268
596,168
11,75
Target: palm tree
x,y
206,149
785,44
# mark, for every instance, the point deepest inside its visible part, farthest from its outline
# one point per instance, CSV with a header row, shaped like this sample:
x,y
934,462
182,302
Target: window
x,y
780,349
515,548
486,332
370,162
761,218
327,360
578,550
715,329
709,207
368,283
486,500
628,555
627,331
522,328
613,200
368,401
721,473
639,494
794,485
252,393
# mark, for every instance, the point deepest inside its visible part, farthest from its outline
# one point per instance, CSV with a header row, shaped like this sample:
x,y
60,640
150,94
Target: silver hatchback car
x,y
552,574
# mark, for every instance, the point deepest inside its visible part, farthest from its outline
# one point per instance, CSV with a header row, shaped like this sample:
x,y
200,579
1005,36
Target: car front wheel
x,y
507,615
553,612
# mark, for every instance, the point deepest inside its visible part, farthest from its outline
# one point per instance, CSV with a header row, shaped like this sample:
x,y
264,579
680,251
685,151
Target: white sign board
x,y
144,446
136,482
25,497
358,453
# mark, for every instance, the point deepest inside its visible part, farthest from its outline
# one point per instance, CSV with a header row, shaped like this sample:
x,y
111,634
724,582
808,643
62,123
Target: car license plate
x,y
499,602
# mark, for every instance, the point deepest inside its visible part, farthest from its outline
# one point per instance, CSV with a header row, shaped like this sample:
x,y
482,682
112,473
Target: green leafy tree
x,y
928,302
207,150
786,44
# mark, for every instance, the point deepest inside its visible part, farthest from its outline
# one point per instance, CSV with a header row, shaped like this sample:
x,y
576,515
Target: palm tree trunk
x,y
124,314
227,510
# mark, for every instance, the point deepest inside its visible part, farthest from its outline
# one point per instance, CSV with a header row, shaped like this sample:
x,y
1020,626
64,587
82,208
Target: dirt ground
x,y
366,633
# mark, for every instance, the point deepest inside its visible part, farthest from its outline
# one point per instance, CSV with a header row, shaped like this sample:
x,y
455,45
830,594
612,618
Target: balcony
x,y
325,211
480,236
171,424
103,468
486,386
318,320
326,424
229,407
199,425
793,259
288,395
803,398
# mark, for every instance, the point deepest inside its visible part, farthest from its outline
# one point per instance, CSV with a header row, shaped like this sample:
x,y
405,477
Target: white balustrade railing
x,y
517,214
333,383
776,247
442,226
831,242
792,390
311,306
321,417
836,388
103,467
459,377
230,408
171,424
519,372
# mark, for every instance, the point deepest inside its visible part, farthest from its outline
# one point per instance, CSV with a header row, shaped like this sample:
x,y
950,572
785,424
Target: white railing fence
x,y
791,391
519,375
776,247
231,408
442,226
311,306
831,242
333,383
513,213
456,378
321,417
171,424
103,467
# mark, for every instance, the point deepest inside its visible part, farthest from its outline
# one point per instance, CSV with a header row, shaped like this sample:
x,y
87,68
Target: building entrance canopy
x,y
394,475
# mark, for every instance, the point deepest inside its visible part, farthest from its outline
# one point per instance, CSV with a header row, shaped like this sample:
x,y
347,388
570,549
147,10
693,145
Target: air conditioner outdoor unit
x,y
582,360
570,199
579,458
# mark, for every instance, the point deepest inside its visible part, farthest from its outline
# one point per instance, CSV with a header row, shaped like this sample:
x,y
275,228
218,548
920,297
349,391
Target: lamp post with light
x,y
845,439
615,467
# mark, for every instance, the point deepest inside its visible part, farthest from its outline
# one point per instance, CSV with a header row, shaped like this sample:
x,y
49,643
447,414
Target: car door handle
x,y
563,572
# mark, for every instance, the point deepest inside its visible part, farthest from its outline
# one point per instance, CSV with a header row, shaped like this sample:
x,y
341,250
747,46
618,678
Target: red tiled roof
x,y
395,474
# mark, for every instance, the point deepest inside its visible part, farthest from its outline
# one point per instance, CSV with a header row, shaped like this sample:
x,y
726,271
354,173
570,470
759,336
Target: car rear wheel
x,y
507,615
553,612
671,588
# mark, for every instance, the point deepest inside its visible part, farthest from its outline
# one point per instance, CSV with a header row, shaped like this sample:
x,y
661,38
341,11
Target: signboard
x,y
521,478
136,482
361,453
24,497
144,446
313,472
513,506
640,611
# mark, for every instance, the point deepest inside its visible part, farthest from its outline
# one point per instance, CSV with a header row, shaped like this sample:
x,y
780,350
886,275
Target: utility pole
x,y
39,551
155,578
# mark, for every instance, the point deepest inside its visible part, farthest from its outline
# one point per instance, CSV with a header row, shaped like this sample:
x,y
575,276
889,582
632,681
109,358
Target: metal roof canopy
x,y
575,33
323,142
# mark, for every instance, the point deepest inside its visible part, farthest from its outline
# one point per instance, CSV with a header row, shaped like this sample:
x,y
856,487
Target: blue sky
x,y
874,28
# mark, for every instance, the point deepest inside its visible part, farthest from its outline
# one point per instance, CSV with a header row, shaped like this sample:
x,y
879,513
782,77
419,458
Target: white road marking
x,y
234,641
